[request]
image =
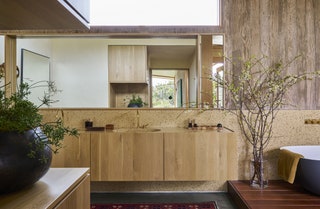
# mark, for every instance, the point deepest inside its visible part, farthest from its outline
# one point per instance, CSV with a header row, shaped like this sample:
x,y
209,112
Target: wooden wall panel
x,y
206,69
281,30
10,65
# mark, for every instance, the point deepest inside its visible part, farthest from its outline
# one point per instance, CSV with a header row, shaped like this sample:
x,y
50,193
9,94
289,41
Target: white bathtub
x,y
311,152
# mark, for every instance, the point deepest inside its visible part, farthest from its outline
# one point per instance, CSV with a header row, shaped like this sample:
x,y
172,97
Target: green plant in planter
x,y
136,101
26,142
18,114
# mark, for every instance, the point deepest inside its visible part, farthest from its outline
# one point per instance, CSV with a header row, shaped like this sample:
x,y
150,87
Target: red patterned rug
x,y
202,205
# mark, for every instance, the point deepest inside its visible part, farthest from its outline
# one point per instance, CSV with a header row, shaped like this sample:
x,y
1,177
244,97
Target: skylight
x,y
154,12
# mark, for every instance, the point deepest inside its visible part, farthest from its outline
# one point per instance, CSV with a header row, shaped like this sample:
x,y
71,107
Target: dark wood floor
x,y
278,195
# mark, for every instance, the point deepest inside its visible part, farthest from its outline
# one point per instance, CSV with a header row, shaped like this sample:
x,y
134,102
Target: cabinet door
x,y
127,64
147,156
127,157
111,157
75,152
190,156
200,156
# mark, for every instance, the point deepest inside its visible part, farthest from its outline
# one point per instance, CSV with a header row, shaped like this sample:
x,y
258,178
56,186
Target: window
x,y
155,12
163,91
169,88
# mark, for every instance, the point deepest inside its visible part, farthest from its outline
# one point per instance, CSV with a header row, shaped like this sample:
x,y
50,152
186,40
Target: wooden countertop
x,y
47,192
161,130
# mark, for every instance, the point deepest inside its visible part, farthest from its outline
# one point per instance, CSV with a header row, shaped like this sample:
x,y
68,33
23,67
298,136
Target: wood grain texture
x,y
121,93
127,156
74,153
200,156
59,188
206,69
46,15
281,30
78,198
10,65
175,156
127,64
279,195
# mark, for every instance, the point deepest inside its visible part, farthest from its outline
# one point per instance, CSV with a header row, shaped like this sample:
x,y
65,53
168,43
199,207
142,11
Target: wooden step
x,y
278,195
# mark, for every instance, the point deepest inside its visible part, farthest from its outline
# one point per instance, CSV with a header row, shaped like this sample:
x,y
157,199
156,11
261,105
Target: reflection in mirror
x,y
80,68
175,65
35,68
212,94
169,88
1,49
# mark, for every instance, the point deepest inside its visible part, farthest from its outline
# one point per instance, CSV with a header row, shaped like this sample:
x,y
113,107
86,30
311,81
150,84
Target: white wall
x,y
80,69
36,66
38,45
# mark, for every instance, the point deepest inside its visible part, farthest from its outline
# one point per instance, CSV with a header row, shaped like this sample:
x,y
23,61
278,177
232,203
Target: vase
x,y
17,169
259,173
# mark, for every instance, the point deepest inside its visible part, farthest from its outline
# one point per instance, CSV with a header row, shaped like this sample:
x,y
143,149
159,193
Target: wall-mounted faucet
x,y
138,121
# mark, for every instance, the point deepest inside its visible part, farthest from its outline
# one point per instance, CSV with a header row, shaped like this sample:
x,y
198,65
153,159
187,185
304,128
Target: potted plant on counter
x,y
136,101
257,91
26,142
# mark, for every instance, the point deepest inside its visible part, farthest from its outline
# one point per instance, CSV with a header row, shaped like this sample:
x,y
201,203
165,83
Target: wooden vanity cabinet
x,y
127,64
152,156
75,152
79,197
126,156
200,156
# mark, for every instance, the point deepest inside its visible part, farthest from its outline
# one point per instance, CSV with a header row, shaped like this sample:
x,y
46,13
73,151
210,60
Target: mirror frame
x,y
38,65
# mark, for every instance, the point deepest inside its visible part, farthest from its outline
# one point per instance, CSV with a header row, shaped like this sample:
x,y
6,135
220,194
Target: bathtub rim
x,y
306,151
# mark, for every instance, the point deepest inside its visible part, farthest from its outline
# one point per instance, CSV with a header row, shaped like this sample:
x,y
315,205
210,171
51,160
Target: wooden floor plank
x,y
278,195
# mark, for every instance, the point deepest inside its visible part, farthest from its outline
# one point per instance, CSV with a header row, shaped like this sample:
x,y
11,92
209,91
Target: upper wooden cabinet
x,y
44,14
127,64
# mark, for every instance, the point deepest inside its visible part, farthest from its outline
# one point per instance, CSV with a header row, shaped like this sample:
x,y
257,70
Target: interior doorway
x,y
169,88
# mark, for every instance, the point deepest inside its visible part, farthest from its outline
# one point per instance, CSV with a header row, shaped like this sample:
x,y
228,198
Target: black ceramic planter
x,y
134,105
17,170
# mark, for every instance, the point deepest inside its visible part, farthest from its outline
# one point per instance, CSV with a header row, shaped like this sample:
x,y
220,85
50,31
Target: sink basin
x,y
136,130
139,130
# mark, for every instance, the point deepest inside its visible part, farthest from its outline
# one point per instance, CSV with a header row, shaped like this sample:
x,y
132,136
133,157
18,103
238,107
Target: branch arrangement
x,y
257,91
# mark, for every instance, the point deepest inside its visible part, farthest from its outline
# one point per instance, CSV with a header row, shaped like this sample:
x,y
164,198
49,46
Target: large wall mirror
x,y
79,66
